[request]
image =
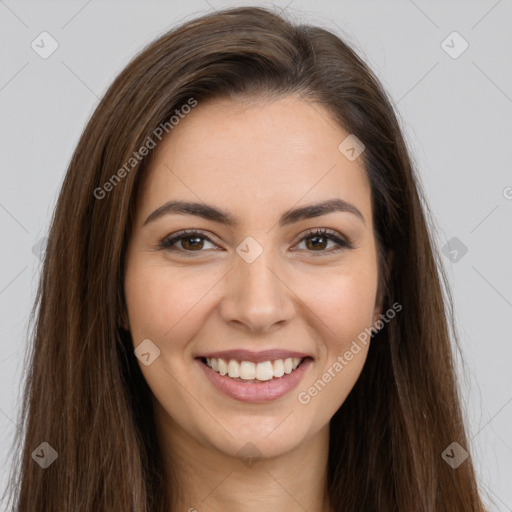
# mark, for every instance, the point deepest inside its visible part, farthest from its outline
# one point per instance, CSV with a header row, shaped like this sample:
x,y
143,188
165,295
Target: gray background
x,y
456,114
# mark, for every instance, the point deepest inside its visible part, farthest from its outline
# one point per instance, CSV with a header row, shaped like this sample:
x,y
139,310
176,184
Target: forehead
x,y
250,156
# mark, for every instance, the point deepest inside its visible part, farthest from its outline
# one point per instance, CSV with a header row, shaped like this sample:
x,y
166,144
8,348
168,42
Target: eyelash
x,y
169,241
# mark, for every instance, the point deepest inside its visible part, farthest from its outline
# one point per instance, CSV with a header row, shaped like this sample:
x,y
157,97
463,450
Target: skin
x,y
269,156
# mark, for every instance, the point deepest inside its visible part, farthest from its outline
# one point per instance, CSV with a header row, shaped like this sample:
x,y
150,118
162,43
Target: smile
x,y
254,382
253,372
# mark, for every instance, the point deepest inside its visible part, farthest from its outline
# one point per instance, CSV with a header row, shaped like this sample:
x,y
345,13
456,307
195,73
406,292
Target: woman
x,y
301,359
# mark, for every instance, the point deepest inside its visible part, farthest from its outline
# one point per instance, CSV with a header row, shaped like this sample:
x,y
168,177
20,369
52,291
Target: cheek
x,y
352,309
343,300
168,303
344,307
163,303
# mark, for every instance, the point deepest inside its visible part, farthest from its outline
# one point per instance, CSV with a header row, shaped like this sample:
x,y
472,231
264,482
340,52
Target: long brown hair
x,y
84,392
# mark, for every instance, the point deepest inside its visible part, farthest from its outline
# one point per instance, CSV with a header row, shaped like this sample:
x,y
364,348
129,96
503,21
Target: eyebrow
x,y
223,217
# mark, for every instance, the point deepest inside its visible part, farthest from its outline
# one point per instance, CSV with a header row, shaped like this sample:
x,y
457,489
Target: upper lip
x,y
255,357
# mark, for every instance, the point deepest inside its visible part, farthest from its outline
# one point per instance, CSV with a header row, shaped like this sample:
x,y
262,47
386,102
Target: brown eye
x,y
317,241
191,241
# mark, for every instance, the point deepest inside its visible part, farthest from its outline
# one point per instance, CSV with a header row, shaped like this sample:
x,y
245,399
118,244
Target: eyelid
x,y
342,241
189,233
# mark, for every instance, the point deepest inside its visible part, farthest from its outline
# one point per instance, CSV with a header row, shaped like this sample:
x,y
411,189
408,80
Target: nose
x,y
257,298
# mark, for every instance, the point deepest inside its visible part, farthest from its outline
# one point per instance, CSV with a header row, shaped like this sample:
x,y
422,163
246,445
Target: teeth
x,y
223,367
233,369
264,371
247,370
278,368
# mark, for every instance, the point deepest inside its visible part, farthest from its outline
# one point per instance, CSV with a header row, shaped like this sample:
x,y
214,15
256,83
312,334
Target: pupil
x,y
186,240
316,238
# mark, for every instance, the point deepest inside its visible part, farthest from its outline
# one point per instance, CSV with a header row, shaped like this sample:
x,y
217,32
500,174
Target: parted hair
x,y
84,393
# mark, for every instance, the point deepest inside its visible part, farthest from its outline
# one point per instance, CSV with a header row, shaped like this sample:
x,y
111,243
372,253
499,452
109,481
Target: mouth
x,y
254,382
253,372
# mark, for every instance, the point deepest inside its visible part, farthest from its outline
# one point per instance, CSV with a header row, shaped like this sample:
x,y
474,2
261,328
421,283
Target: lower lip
x,y
256,392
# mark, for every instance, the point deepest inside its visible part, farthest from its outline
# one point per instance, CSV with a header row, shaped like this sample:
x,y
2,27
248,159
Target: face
x,y
255,285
